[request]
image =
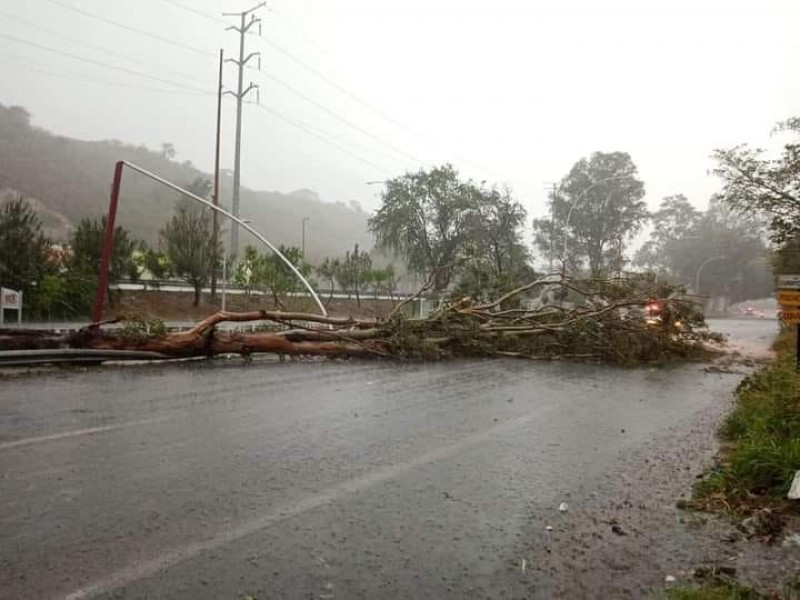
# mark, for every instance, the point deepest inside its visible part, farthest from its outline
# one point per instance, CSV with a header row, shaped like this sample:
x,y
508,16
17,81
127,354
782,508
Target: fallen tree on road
x,y
581,319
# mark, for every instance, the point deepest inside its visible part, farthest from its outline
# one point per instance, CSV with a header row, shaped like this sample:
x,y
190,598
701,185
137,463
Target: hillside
x,y
69,179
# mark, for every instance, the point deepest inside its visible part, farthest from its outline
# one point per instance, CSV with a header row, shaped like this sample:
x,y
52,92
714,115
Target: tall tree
x,y
722,251
23,247
189,245
675,219
757,185
424,218
87,250
595,211
496,260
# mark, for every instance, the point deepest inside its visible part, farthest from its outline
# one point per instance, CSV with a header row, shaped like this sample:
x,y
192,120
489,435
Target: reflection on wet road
x,y
310,479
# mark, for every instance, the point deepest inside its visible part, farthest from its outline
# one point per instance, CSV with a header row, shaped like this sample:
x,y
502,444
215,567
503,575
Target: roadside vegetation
x,y
760,456
762,437
721,588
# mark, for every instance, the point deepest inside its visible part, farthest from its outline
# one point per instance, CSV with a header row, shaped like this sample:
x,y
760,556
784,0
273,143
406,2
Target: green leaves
x,y
189,245
268,273
87,248
755,184
425,218
448,229
23,247
598,207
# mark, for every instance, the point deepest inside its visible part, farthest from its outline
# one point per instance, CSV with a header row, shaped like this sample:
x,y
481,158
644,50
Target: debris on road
x,y
563,507
792,541
616,528
669,579
596,319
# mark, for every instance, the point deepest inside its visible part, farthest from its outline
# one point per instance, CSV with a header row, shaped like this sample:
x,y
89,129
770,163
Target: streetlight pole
x,y
700,270
303,234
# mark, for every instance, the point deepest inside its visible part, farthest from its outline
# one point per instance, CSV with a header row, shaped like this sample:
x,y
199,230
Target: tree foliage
x,y
758,185
188,243
87,250
23,248
594,212
270,274
725,248
425,218
458,234
355,272
329,270
496,260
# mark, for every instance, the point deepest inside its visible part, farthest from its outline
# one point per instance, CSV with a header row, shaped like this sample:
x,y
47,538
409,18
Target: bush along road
x,y
752,477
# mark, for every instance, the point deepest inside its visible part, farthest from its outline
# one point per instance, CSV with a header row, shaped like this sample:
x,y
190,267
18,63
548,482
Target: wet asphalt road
x,y
322,479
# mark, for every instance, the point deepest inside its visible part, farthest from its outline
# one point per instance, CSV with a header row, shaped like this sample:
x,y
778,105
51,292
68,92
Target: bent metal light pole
x,y
700,270
108,240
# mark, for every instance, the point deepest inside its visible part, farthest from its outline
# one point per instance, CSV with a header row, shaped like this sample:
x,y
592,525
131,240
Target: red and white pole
x,y
108,245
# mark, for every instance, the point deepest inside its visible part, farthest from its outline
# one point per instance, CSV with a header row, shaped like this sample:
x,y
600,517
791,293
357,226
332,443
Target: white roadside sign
x,y
10,300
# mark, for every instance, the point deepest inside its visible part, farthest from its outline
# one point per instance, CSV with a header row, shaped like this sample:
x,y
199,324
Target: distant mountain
x,y
69,179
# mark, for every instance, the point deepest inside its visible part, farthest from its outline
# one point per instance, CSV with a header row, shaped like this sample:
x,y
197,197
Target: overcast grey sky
x,y
509,91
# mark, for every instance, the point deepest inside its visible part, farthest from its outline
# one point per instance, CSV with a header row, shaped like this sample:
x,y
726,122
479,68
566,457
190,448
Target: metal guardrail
x,y
73,355
166,285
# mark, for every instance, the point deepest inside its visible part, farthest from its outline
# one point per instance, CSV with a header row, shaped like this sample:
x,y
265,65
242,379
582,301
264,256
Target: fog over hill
x,y
69,179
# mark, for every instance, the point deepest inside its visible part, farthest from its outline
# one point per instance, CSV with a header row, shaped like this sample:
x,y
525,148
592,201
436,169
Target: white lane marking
x,y
75,433
142,570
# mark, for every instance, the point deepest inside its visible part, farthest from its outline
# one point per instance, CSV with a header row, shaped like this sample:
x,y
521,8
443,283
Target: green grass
x,y
763,435
716,591
724,589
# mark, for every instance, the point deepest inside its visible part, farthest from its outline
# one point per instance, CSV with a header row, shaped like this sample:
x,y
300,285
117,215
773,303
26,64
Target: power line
x,y
197,12
33,66
201,51
308,129
308,67
316,131
297,60
94,47
333,84
154,36
100,63
342,90
297,28
338,117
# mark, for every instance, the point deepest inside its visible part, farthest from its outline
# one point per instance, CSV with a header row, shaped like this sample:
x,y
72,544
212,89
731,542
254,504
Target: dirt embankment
x,y
177,306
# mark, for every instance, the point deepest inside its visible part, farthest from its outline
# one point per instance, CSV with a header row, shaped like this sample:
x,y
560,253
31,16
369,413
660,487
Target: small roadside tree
x,y
355,271
189,245
329,270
